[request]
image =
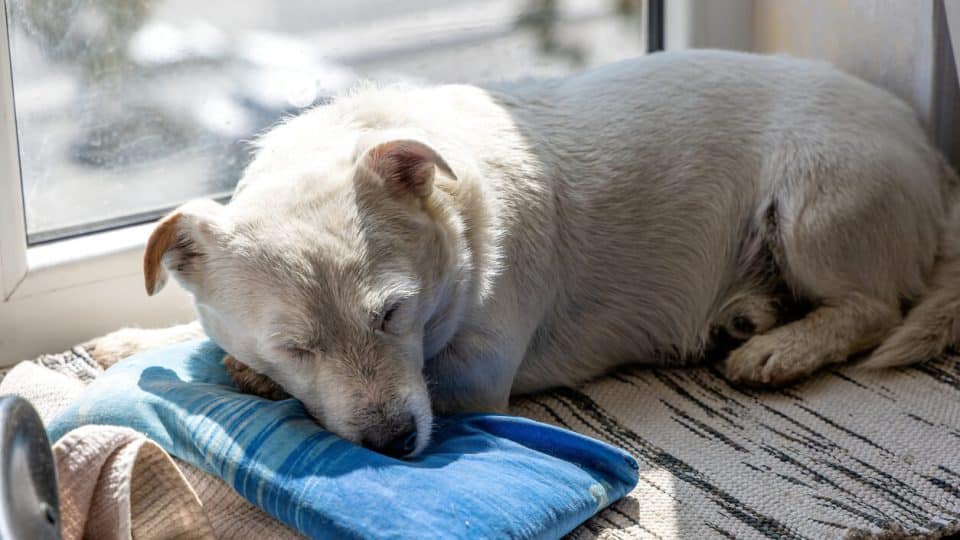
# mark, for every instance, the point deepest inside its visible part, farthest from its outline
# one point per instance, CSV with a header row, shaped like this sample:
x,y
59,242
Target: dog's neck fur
x,y
467,218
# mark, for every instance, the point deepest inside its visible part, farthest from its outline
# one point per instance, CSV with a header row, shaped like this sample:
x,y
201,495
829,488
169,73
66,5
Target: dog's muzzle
x,y
397,439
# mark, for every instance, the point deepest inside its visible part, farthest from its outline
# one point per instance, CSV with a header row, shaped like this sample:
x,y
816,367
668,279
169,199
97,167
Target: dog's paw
x,y
750,315
115,346
251,382
775,359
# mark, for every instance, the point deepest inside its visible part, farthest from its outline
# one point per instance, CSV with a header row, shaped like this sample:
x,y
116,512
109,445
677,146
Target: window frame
x,y
13,232
59,293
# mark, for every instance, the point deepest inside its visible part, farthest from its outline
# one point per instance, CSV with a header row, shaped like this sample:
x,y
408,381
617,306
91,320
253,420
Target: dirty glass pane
x,y
126,108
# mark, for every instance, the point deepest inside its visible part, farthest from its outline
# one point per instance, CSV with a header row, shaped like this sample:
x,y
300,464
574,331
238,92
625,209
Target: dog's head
x,y
322,274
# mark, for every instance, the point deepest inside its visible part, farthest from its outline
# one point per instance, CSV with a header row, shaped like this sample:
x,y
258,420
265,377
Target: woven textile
x,y
847,454
116,483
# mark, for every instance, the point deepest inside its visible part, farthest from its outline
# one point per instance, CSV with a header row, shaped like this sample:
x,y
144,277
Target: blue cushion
x,y
483,475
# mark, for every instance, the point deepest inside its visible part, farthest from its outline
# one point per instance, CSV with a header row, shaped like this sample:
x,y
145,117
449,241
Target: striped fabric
x,y
483,475
847,454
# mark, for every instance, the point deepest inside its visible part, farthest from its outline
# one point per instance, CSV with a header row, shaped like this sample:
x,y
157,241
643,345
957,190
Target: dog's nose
x,y
402,444
398,445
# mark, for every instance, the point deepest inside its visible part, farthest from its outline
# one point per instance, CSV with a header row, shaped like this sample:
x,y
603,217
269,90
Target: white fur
x,y
615,216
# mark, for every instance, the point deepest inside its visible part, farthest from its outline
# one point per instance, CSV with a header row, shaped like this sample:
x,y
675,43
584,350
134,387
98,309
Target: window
x,y
127,108
114,111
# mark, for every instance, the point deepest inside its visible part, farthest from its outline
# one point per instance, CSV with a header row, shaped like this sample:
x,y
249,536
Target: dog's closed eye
x,y
383,318
298,353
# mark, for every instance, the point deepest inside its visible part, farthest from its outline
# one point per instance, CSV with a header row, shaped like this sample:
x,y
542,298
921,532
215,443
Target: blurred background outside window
x,y
127,108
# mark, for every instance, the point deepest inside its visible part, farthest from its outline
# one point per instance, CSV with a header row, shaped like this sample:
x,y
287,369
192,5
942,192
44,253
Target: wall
x,y
899,45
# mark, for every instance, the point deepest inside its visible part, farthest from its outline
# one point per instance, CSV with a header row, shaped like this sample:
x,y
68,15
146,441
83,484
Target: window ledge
x,y
77,289
83,260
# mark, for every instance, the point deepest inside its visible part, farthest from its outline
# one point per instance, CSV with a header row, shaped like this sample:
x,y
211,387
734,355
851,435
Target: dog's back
x,y
664,190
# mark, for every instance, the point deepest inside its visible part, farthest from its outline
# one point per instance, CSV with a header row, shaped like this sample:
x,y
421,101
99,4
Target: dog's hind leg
x,y
829,334
852,249
749,314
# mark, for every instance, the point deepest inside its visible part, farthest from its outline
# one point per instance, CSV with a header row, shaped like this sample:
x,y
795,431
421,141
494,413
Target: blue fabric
x,y
483,476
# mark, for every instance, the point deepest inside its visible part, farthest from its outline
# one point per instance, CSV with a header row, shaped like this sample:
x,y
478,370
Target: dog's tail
x,y
933,324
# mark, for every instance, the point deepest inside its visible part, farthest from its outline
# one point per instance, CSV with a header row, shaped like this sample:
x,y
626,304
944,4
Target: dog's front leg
x,y
115,346
472,374
251,382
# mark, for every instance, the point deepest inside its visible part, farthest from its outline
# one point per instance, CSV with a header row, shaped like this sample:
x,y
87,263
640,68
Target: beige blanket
x,y
115,483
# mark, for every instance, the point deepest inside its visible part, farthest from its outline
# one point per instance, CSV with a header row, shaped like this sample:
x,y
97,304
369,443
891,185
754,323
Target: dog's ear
x,y
406,166
180,242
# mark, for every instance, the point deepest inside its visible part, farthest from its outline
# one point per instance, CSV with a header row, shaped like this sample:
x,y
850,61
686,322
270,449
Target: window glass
x,y
126,108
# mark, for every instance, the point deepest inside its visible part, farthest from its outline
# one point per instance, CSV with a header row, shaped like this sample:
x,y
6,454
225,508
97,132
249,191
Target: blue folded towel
x,y
483,476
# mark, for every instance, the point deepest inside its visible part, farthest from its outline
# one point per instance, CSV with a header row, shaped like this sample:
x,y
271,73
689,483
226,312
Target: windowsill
x,y
83,260
84,287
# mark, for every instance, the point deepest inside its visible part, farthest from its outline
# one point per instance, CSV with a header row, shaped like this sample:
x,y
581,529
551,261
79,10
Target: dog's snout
x,y
397,441
401,444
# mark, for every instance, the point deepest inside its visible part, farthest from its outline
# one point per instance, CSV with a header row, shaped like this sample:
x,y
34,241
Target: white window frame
x,y
13,238
55,295
58,294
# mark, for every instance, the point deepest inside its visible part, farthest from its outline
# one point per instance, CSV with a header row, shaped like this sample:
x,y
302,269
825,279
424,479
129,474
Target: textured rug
x,y
846,455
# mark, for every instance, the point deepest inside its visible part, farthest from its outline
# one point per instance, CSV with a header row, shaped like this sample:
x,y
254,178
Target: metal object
x,y
29,505
655,16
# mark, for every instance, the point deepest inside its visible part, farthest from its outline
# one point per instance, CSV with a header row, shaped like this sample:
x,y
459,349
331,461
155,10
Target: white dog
x,y
410,250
